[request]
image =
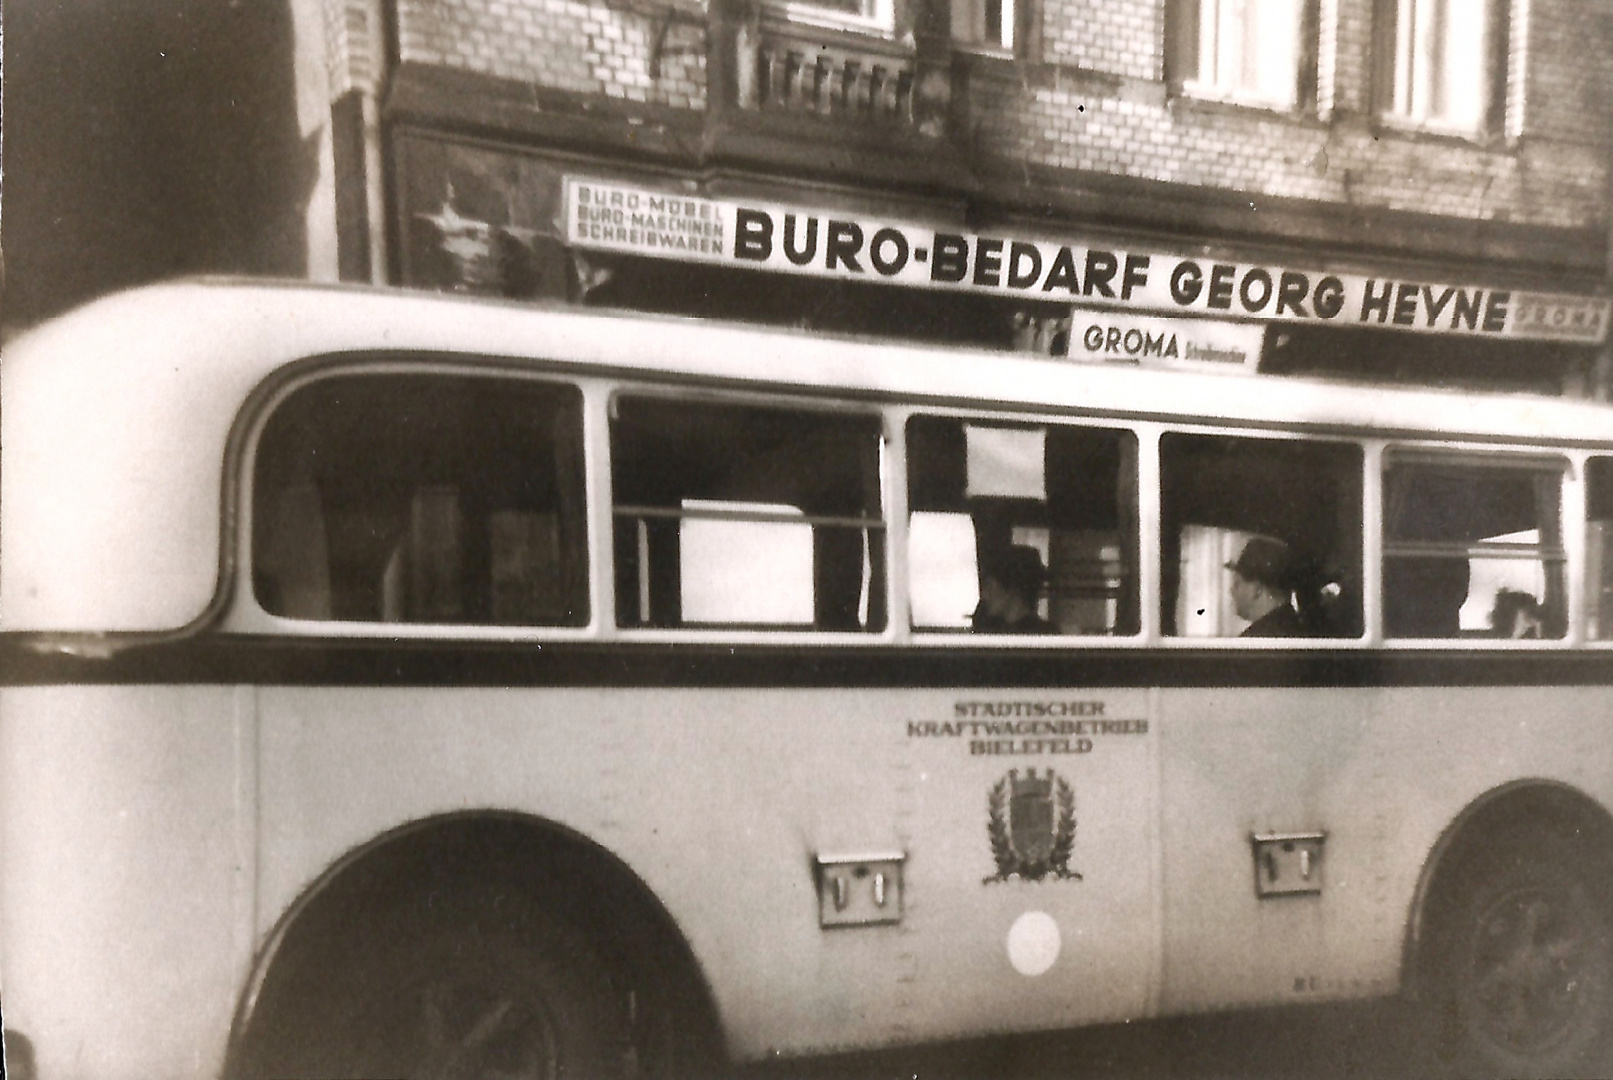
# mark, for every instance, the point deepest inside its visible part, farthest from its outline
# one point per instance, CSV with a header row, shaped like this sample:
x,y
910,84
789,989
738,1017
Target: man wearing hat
x,y
1009,591
1262,589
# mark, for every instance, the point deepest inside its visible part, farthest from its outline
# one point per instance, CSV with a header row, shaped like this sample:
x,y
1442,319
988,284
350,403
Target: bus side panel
x,y
722,799
1383,772
120,884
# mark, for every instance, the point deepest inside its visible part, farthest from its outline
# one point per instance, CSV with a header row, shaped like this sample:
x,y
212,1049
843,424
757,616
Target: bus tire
x,y
1522,965
475,984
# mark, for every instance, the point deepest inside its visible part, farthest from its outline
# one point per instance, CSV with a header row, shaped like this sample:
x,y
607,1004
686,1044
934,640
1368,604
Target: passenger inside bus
x,y
1516,614
1039,517
1423,597
1010,591
1263,589
1460,534
1284,515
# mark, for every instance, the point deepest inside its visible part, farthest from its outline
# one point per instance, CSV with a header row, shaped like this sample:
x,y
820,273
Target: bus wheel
x,y
483,986
1524,963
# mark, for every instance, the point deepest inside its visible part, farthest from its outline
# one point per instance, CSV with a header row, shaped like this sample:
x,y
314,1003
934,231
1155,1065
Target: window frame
x,y
609,511
1020,28
1184,32
1391,63
1365,547
246,613
1142,439
875,18
1523,458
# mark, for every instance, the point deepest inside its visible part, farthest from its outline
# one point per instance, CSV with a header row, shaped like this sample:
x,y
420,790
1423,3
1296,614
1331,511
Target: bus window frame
x,y
244,614
1153,605
240,611
900,415
603,513
1462,453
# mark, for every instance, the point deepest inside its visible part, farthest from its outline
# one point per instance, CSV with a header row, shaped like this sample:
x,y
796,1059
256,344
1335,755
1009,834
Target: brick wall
x,y
1094,99
570,45
1570,83
1067,117
1117,37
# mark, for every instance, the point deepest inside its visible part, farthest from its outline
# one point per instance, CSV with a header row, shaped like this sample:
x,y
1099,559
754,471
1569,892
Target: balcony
x,y
780,70
821,80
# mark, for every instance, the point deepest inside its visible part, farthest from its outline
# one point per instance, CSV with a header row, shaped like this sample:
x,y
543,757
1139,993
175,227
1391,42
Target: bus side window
x,y
1302,498
1472,547
422,499
1044,512
730,515
1599,546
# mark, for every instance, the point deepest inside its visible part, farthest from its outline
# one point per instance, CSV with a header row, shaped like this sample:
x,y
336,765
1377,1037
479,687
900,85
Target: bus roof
x,y
116,417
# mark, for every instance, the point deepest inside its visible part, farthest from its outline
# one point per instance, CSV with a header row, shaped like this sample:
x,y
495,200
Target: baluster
x,y
815,84
781,77
801,86
904,96
878,77
865,86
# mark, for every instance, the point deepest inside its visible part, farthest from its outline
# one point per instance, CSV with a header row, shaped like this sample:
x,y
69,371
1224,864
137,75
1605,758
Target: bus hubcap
x,y
475,1032
1533,975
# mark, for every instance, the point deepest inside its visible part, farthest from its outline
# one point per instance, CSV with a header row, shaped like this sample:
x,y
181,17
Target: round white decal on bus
x,y
1033,943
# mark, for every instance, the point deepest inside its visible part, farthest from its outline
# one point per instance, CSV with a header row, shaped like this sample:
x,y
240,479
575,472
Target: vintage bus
x,y
414,685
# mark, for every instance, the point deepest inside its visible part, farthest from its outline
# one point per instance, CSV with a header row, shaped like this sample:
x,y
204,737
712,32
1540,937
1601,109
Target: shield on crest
x,y
1030,816
1032,826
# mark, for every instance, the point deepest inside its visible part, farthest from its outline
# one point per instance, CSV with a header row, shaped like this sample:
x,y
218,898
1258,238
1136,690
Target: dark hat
x,y
1265,560
1020,571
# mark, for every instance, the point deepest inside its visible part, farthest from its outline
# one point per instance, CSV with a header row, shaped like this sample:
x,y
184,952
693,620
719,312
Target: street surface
x,y
1332,1042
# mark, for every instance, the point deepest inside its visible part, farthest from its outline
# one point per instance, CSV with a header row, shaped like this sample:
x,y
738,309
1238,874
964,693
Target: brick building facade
x,y
1420,140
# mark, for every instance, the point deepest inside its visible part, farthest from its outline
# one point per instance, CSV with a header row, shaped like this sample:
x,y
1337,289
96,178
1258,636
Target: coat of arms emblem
x,y
1032,826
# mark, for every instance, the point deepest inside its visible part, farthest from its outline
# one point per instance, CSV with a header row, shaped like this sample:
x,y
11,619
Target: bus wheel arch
x,y
592,923
1509,954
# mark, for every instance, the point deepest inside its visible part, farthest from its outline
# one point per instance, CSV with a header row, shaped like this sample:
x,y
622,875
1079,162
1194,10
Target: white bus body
x,y
233,818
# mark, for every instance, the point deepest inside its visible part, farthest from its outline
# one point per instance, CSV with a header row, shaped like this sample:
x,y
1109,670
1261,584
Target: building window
x,y
986,24
1253,52
869,16
1440,63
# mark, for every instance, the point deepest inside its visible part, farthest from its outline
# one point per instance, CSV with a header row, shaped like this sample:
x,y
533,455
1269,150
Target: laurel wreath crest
x,y
1009,861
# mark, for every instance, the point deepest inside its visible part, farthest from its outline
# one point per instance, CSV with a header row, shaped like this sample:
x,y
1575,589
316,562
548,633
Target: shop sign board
x,y
1157,341
610,216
